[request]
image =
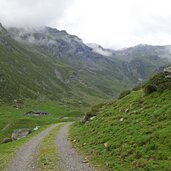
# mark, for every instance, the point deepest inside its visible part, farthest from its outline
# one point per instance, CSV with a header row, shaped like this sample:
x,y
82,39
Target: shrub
x,y
159,82
150,89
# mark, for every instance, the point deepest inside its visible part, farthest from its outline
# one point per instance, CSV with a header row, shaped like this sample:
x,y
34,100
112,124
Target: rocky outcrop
x,y
159,82
20,133
167,72
88,117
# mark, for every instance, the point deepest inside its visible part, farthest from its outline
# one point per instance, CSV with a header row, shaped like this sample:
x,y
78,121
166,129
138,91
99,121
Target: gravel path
x,y
70,160
24,159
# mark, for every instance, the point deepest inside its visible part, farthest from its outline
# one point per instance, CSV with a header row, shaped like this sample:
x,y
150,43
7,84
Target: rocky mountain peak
x,y
51,30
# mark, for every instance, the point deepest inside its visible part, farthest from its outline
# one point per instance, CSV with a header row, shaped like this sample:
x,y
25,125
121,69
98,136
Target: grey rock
x,y
87,117
167,69
20,133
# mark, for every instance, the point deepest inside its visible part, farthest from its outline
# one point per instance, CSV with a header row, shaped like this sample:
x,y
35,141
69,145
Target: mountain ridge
x,y
68,67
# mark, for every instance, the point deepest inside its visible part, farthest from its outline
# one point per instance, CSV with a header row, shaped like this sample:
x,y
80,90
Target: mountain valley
x,y
48,76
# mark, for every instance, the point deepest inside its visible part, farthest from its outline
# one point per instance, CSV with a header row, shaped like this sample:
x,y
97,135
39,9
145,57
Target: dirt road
x,y
24,159
70,159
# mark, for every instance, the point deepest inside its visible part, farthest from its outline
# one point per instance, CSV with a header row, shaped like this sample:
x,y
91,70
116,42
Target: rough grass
x,y
47,158
133,133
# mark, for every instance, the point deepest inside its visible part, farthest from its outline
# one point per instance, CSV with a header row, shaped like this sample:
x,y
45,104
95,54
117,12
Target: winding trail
x,y
24,159
69,158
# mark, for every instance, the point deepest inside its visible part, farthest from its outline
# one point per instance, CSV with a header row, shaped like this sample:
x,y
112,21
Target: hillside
x,y
27,72
80,73
88,70
131,133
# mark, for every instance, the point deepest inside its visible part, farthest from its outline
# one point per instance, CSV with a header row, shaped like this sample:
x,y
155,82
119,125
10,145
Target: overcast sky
x,y
111,23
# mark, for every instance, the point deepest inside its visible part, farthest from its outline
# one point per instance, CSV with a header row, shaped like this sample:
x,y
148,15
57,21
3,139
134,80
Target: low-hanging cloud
x,y
110,23
32,12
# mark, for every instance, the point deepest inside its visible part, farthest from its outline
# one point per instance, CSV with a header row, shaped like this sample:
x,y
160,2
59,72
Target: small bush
x,y
150,89
159,82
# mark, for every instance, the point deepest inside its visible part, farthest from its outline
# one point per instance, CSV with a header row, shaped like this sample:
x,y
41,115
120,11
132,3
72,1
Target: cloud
x,y
111,23
120,23
32,12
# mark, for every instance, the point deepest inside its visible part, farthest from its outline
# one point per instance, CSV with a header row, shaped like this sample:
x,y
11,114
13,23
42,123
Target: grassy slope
x,y
140,142
28,73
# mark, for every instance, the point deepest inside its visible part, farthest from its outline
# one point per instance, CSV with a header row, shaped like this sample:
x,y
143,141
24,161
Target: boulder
x,y
88,117
20,133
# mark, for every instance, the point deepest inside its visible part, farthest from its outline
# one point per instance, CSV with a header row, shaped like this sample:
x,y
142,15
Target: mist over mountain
x,y
54,64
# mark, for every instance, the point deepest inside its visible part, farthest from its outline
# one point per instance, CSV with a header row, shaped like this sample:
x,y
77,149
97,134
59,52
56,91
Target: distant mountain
x,y
140,50
143,60
144,50
48,63
139,61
